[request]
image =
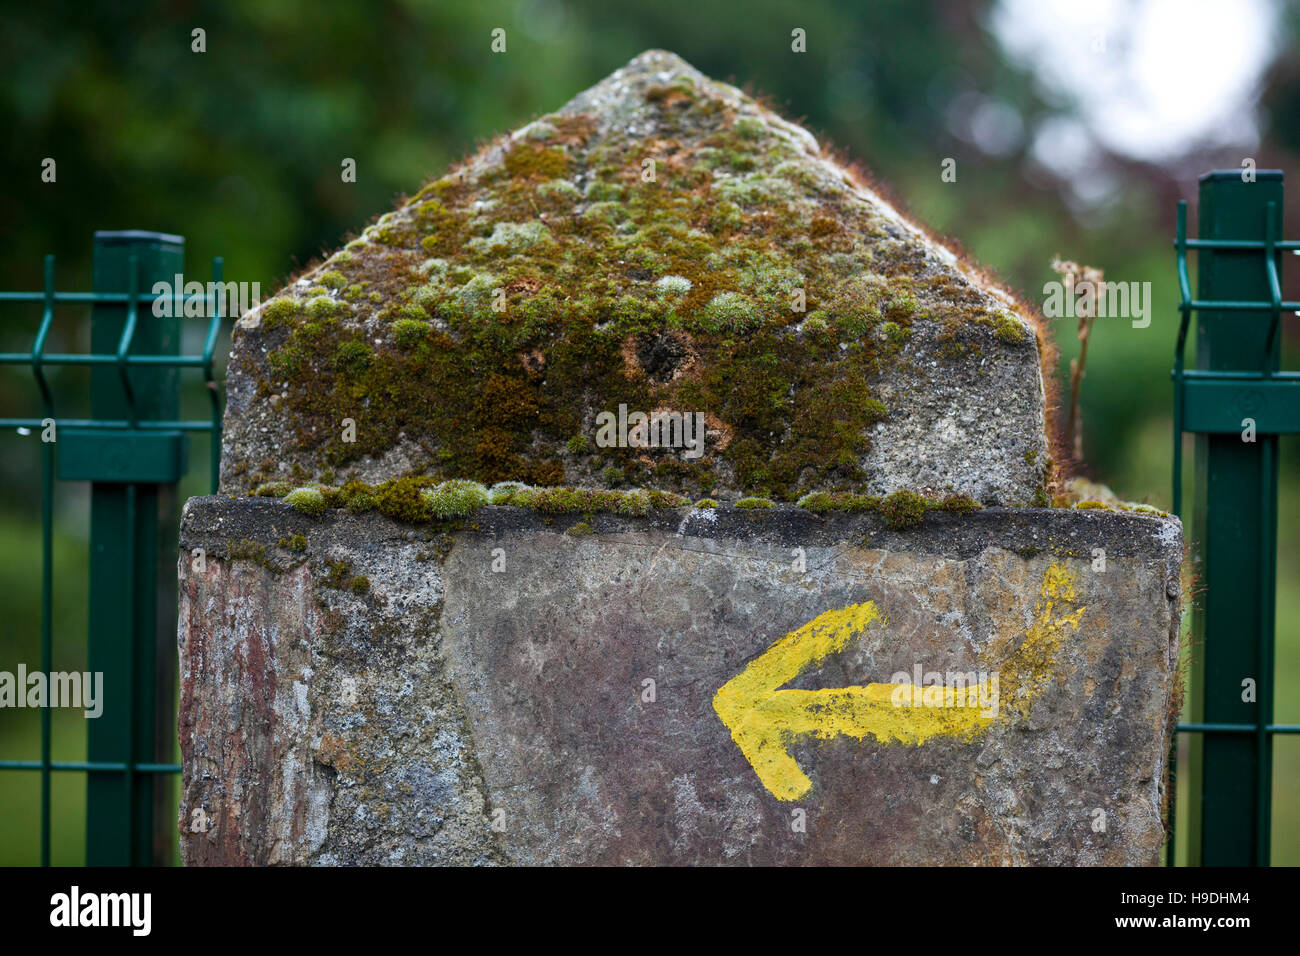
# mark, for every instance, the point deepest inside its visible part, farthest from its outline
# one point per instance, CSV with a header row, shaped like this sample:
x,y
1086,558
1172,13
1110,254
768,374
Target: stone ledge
x,y
213,521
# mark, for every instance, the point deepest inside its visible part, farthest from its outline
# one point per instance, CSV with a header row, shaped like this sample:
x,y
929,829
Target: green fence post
x,y
1235,520
132,592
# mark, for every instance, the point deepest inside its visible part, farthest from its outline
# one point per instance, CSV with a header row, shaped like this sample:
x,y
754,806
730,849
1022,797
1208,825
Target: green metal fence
x,y
133,450
1238,403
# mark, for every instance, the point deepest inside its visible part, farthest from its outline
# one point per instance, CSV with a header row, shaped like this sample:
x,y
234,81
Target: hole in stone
x,y
662,355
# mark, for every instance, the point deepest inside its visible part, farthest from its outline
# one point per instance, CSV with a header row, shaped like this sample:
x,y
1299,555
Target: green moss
x,y
710,254
855,503
333,279
279,310
727,312
737,161
414,499
824,502
561,500
408,333
816,323
412,310
1087,505
579,529
895,334
358,497
598,191
526,161
245,549
754,503
558,189
1009,330
954,351
455,498
555,500
666,499
960,504
287,361
901,305
273,489
704,503
309,501
423,298
338,575
503,492
353,356
359,584
513,237
322,306
673,286
819,501
633,503
750,128
296,542
401,499
903,509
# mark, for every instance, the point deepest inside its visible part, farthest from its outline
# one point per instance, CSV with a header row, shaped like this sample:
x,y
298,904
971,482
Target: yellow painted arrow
x,y
764,720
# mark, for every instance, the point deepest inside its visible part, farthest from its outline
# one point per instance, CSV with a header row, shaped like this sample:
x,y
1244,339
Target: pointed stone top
x,y
619,104
666,244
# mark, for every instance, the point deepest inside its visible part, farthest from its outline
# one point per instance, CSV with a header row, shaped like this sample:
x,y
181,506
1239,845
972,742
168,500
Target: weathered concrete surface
x,y
326,725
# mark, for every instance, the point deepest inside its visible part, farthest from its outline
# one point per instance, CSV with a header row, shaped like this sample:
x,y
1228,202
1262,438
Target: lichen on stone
x,y
716,261
674,285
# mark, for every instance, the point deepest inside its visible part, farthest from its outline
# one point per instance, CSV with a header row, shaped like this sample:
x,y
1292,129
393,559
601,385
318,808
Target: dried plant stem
x,y
1075,277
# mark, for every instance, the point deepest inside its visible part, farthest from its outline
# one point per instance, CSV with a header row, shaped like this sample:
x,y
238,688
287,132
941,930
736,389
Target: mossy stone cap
x,y
663,252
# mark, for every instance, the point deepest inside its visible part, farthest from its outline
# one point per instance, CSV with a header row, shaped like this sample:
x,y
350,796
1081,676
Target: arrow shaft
x,y
871,711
